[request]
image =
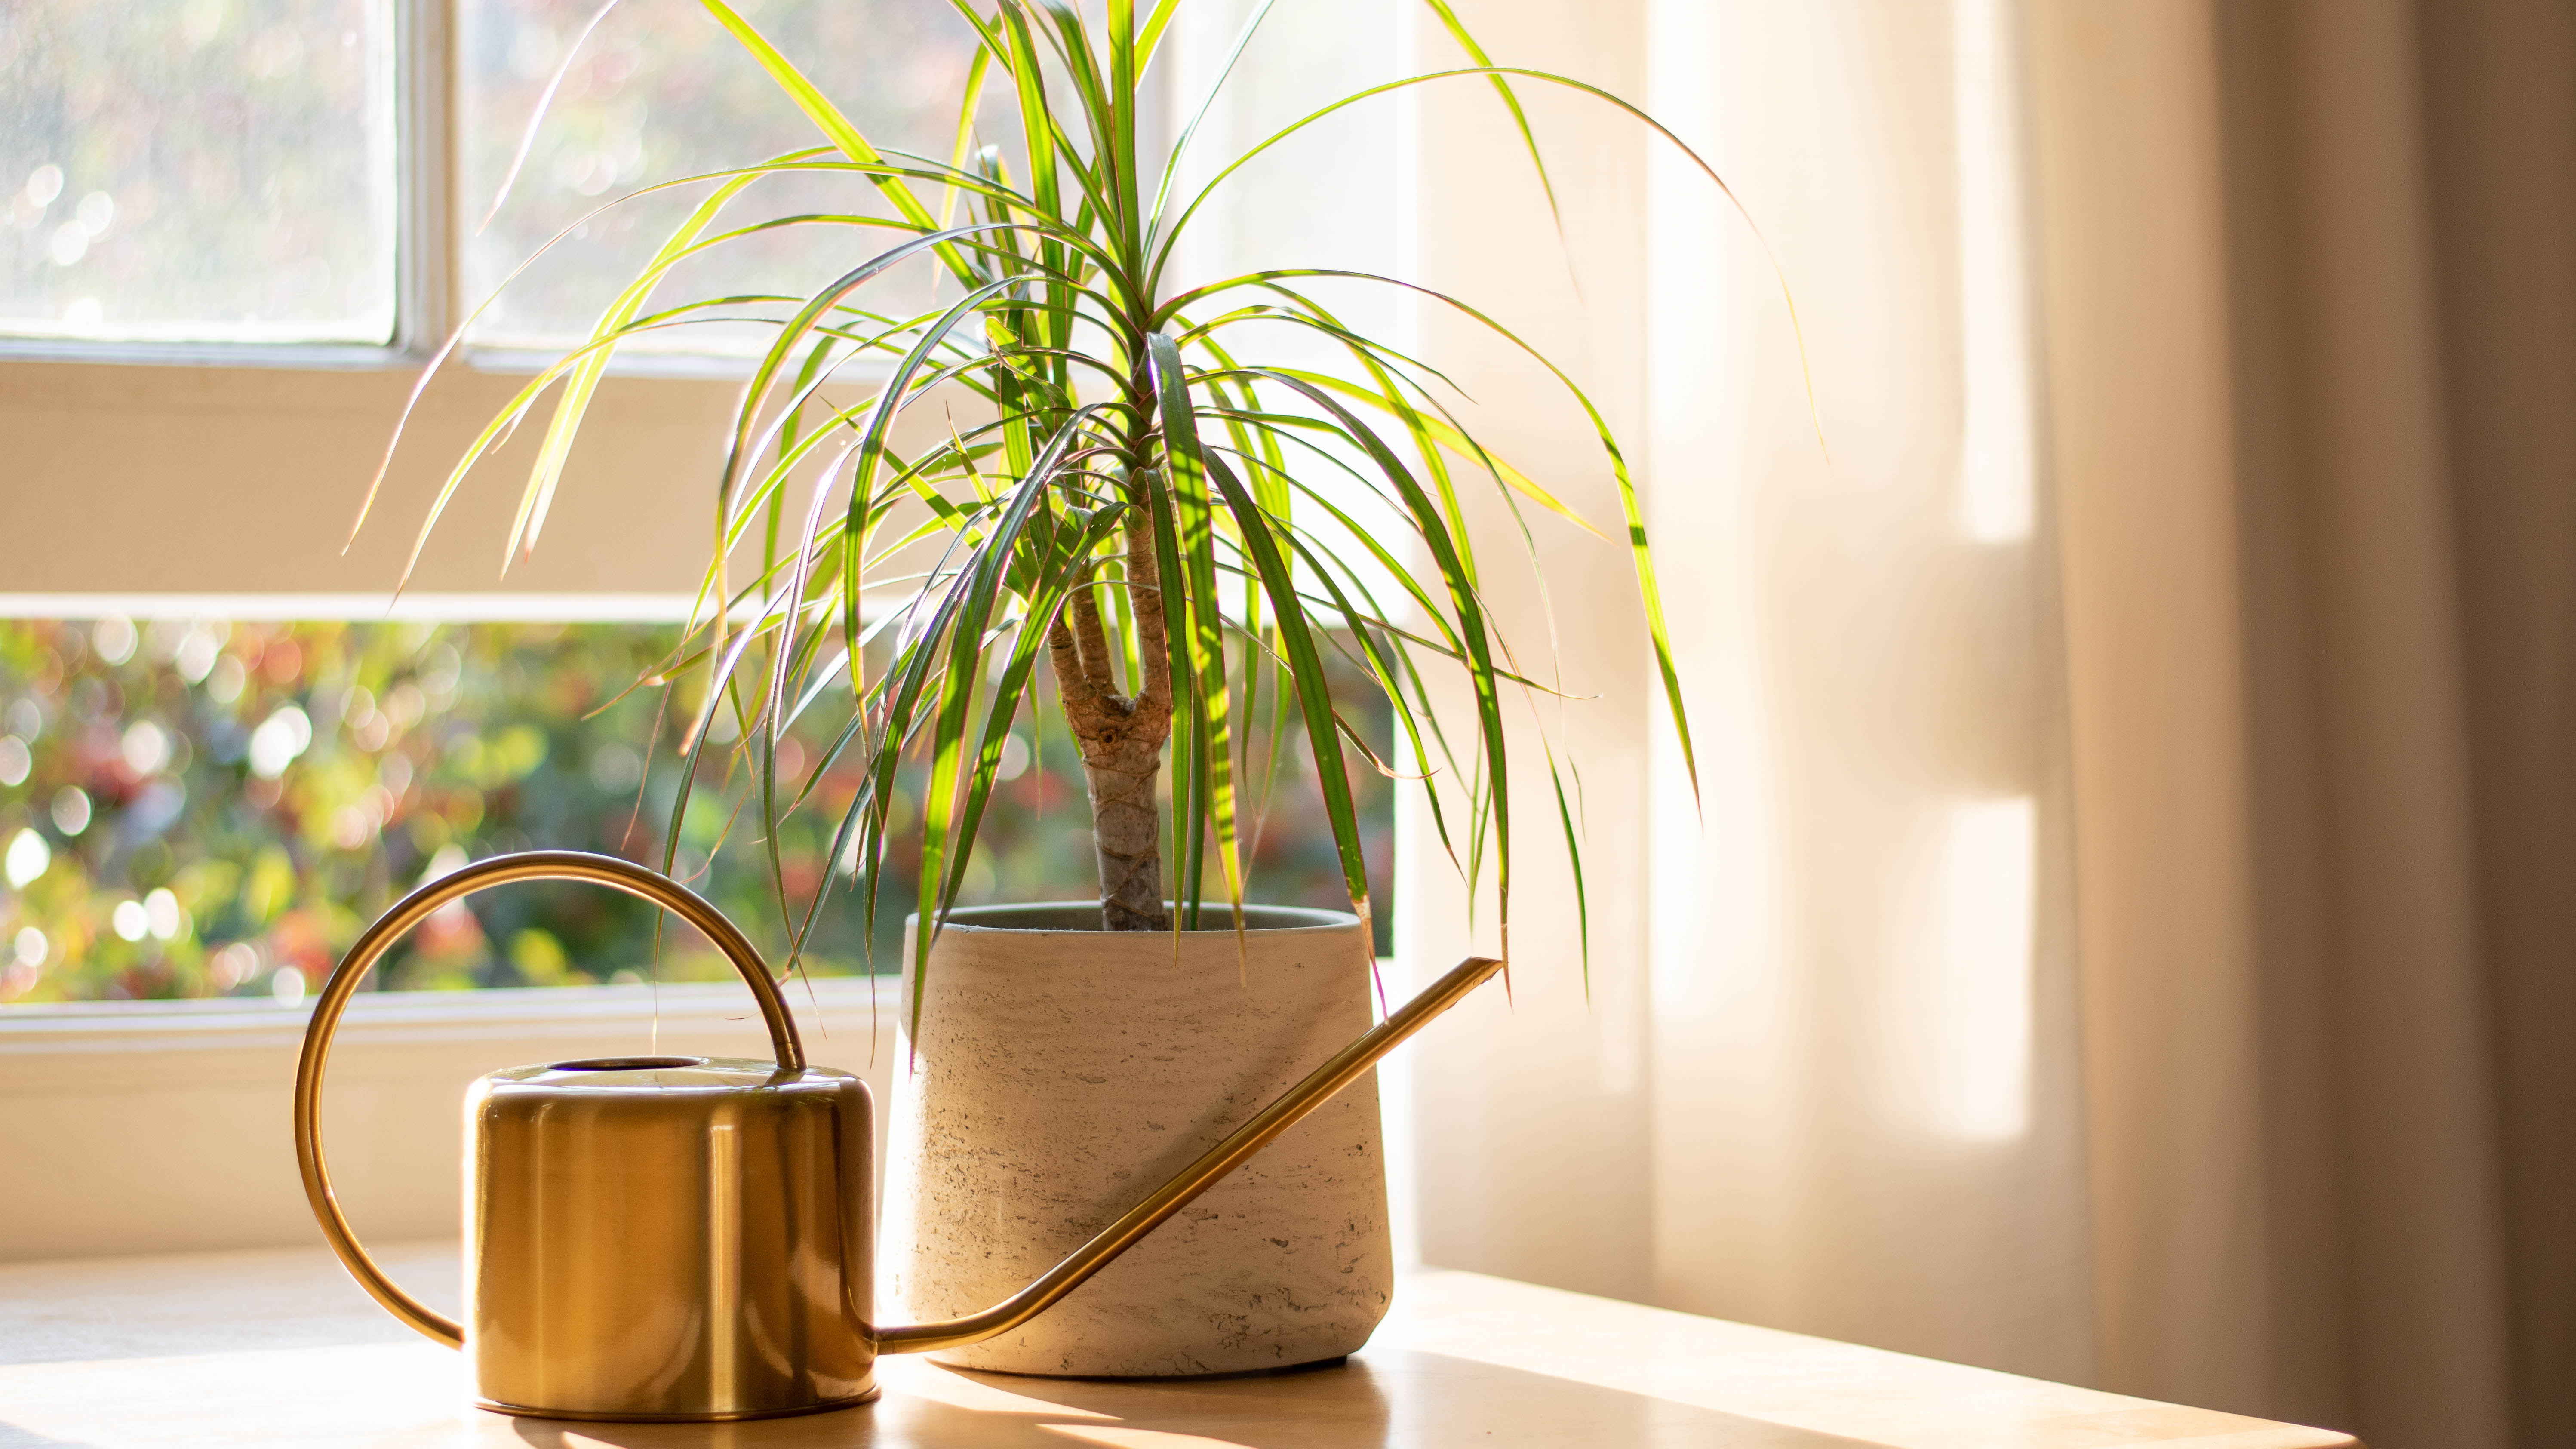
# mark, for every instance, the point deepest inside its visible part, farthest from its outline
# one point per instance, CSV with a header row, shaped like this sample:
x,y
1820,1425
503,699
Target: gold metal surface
x,y
686,1238
669,1238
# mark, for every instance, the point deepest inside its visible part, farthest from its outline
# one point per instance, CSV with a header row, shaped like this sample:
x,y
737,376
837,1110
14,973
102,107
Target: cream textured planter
x,y
1063,1072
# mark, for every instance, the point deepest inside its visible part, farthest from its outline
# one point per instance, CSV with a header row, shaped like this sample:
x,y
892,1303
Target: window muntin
x,y
198,171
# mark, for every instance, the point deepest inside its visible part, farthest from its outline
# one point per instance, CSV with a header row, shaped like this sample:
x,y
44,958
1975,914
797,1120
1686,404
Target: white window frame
x,y
424,268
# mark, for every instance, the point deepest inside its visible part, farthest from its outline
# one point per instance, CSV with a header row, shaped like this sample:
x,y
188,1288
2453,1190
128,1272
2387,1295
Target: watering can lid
x,y
664,1074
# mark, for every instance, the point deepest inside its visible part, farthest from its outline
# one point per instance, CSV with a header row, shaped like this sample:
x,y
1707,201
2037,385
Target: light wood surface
x,y
279,1349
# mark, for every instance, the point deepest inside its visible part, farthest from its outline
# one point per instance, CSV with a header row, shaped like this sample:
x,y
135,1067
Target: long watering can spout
x,y
1345,1067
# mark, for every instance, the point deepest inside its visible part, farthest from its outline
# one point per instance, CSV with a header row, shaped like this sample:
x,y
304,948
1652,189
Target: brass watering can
x,y
691,1238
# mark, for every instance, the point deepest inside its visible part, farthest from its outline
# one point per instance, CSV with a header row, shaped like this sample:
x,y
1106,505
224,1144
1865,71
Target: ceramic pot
x,y
1060,1072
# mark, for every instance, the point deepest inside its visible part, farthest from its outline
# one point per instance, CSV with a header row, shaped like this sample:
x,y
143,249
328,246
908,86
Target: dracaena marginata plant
x,y
1133,505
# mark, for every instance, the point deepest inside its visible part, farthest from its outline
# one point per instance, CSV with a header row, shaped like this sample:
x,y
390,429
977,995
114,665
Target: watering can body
x,y
692,1238
669,1238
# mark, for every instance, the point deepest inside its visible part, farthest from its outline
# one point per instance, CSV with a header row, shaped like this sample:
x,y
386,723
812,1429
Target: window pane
x,y
200,808
197,170
657,92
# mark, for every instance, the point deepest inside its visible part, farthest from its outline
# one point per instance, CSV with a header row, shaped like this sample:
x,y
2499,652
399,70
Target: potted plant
x,y
1125,512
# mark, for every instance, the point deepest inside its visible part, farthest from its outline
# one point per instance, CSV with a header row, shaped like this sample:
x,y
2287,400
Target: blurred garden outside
x,y
205,809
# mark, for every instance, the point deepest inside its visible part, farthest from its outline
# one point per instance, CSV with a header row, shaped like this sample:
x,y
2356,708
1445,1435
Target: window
x,y
298,185
217,172
206,170
180,487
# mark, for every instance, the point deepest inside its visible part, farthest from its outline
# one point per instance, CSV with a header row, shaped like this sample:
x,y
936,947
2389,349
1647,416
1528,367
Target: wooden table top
x,y
280,1349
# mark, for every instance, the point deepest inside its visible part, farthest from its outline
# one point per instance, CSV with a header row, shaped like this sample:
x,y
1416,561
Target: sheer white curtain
x,y
1822,1073
1867,1119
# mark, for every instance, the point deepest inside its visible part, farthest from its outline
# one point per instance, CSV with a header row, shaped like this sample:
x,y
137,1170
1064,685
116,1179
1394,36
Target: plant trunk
x,y
1127,831
1121,739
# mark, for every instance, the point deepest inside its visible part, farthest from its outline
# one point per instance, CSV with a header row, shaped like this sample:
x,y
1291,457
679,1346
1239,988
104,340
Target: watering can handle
x,y
634,880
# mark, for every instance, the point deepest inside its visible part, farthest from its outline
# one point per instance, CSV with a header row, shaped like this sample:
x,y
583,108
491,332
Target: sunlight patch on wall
x,y
1988,909
1997,470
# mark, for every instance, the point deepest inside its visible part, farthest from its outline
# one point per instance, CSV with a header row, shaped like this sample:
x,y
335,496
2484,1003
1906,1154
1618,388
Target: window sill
x,y
306,356
162,1127
859,372
48,1032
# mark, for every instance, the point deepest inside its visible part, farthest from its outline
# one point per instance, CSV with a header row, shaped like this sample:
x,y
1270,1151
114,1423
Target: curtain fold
x,y
2291,512
2341,429
2499,84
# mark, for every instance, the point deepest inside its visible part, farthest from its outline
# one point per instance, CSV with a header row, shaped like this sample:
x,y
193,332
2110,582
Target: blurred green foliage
x,y
195,809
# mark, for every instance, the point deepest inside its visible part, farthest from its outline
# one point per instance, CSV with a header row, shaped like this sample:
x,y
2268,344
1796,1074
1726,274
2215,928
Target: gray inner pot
x,y
1084,916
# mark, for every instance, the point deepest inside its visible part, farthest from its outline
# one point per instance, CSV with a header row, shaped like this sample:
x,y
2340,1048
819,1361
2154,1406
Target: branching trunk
x,y
1121,737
